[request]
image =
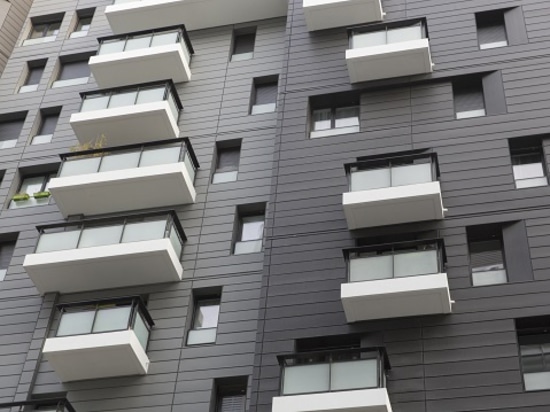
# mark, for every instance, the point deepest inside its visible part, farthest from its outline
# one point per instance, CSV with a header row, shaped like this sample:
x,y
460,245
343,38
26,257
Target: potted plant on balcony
x,y
97,143
41,195
20,197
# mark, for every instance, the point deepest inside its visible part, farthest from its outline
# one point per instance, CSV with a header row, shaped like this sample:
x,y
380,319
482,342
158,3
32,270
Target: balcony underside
x,y
104,267
195,14
123,190
362,400
396,298
141,66
326,14
96,356
390,60
393,205
126,125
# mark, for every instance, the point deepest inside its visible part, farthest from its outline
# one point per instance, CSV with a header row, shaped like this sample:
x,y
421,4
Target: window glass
x,y
80,166
162,39
142,231
141,330
206,315
112,46
119,161
306,379
84,24
123,99
160,156
346,117
50,242
32,185
111,319
76,323
356,374
100,236
252,228
403,34
322,119
95,103
376,38
151,95
138,42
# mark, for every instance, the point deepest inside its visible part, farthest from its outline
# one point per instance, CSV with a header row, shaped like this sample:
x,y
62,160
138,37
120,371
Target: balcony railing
x,y
397,260
105,316
45,405
340,370
392,172
103,232
366,37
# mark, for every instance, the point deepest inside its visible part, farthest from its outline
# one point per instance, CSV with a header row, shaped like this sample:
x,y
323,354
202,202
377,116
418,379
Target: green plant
x,y
20,197
97,143
41,195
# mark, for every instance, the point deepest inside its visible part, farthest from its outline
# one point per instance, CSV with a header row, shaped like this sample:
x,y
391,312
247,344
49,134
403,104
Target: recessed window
x,y
264,96
250,231
10,129
34,74
528,163
243,44
6,253
33,191
491,29
47,127
334,121
44,29
227,162
486,255
231,394
72,71
468,98
205,320
534,345
83,23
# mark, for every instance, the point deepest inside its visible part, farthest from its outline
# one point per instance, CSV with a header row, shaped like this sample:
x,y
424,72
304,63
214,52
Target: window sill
x,y
224,177
28,88
39,40
249,246
201,336
333,132
8,144
493,45
471,114
78,34
70,82
242,57
263,108
41,139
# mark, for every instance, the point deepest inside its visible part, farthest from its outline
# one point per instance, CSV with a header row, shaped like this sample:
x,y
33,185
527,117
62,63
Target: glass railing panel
x,y
79,167
50,242
357,374
376,38
100,236
76,323
111,46
160,156
416,263
119,161
94,103
141,331
403,34
150,95
371,268
123,99
162,39
112,319
190,167
175,241
411,174
143,231
138,42
173,106
370,179
306,379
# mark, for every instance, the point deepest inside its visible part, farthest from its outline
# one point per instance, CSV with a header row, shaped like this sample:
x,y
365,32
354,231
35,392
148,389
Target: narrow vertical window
x,y
227,163
243,45
34,74
486,255
250,231
468,98
528,163
47,127
205,320
83,23
264,96
491,29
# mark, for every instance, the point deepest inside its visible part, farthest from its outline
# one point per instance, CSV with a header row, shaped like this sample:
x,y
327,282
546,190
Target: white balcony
x,y
121,179
396,52
391,195
113,344
133,15
142,58
127,116
93,255
326,14
385,284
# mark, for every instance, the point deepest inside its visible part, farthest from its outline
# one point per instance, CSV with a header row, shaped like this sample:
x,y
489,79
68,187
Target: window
x,y
44,29
534,346
468,98
33,191
10,129
34,74
231,394
243,45
334,121
264,96
205,320
486,255
491,29
227,162
47,127
528,163
6,253
72,71
250,231
83,22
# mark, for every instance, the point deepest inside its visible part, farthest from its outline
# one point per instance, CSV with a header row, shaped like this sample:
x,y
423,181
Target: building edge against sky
x,y
288,206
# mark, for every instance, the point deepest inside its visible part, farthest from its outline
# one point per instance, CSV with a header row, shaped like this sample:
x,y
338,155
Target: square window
x,y
227,163
205,320
334,121
486,250
72,71
34,74
44,29
468,98
33,191
491,29
250,232
528,163
243,45
264,96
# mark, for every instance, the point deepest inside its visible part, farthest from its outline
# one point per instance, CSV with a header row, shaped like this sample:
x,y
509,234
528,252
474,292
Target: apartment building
x,y
276,205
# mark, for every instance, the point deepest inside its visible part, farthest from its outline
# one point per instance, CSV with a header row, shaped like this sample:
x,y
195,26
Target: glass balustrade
x,y
362,38
95,233
345,370
394,261
105,317
43,405
130,157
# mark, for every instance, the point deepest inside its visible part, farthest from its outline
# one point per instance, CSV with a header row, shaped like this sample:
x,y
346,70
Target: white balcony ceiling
x,y
195,14
96,356
141,66
123,190
326,14
104,267
396,298
390,60
393,205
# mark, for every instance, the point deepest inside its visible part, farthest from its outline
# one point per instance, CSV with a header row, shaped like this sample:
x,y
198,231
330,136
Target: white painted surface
x,y
326,14
392,205
104,267
141,66
389,60
362,400
397,297
96,356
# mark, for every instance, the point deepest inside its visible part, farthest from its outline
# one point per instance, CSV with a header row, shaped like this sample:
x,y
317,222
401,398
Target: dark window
x,y
534,345
32,191
264,97
231,394
528,163
334,121
486,255
243,45
250,231
47,128
227,163
205,320
84,20
491,29
74,70
34,74
6,253
10,131
468,98
44,29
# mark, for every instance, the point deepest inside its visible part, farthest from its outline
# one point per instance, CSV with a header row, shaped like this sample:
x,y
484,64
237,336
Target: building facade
x,y
276,205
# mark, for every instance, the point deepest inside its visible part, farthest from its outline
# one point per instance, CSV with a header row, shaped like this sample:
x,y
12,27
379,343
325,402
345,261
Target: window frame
x,y
226,174
32,201
483,20
482,233
262,108
333,130
249,55
204,335
534,149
